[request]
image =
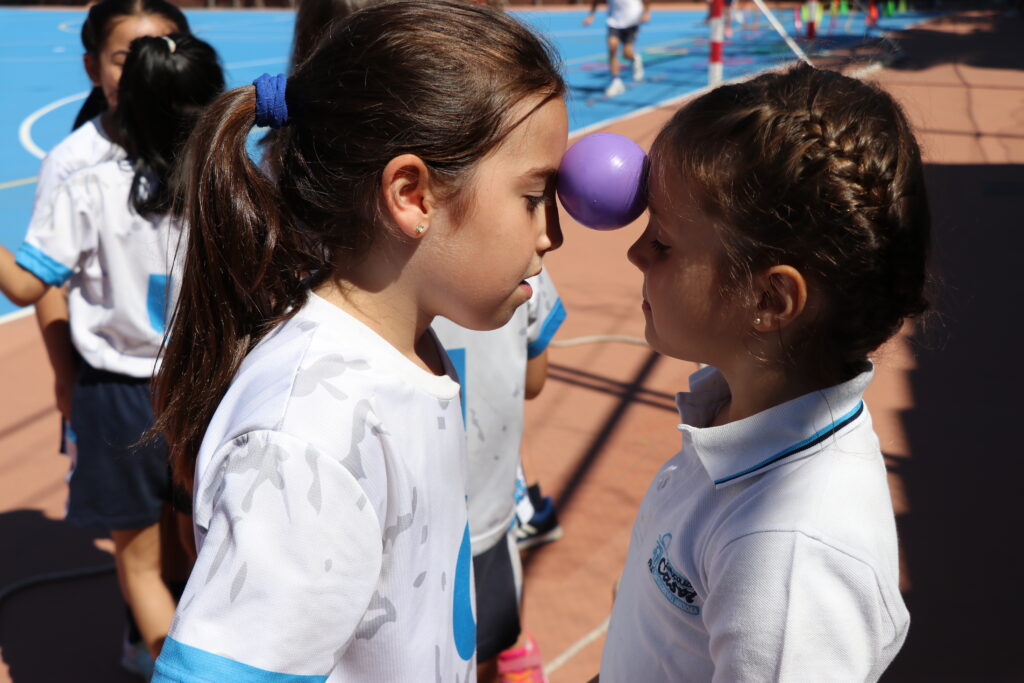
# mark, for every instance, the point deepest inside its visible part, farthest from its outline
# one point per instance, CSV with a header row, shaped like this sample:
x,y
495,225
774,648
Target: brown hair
x,y
819,171
436,79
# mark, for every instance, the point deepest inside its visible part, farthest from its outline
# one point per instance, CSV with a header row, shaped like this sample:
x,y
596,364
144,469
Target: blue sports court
x,y
40,54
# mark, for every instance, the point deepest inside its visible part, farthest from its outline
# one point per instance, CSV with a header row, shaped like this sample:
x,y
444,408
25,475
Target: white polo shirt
x,y
764,550
492,372
330,518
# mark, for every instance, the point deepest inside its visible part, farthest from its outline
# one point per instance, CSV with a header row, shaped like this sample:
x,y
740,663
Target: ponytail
x,y
243,273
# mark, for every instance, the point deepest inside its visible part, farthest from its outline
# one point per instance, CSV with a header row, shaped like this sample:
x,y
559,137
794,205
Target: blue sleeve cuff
x,y
180,663
33,260
547,330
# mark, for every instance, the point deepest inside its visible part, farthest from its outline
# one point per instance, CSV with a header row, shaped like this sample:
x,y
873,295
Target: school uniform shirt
x,y
624,13
330,518
492,370
764,550
119,265
86,146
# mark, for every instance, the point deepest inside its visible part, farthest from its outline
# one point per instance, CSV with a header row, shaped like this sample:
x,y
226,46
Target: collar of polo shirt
x,y
782,434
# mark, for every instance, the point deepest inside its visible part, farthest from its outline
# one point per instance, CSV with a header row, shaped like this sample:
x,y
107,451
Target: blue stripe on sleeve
x,y
32,259
180,663
551,324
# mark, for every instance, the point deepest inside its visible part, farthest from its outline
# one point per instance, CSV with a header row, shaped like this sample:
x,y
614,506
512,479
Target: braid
x,y
822,172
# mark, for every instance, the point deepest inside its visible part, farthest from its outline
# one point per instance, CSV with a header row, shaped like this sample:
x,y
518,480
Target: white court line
x,y
17,315
18,183
25,129
575,648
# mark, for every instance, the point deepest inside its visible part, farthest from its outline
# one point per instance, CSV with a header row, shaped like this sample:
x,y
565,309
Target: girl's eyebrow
x,y
544,173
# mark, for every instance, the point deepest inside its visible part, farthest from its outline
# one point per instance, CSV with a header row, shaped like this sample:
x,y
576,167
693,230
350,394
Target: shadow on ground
x,y
961,538
67,628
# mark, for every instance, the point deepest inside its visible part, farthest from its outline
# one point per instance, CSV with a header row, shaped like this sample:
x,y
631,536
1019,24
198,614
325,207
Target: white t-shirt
x,y
86,146
119,265
624,13
764,550
330,518
492,369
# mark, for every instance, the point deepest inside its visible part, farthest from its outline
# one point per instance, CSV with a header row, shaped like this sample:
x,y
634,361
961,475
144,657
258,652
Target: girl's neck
x,y
393,316
755,387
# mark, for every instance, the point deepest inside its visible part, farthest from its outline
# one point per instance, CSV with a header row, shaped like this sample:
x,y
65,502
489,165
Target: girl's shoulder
x,y
86,146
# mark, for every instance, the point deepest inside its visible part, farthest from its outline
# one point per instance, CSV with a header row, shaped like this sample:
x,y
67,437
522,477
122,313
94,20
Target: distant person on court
x,y
624,19
110,237
498,370
788,239
109,28
303,394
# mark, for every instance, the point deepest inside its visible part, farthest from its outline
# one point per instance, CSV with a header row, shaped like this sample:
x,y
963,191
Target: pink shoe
x,y
522,665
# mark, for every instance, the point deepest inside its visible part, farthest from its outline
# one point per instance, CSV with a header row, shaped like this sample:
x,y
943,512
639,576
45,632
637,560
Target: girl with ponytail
x,y
302,393
110,237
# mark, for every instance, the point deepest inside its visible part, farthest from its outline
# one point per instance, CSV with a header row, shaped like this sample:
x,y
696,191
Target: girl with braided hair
x,y
788,239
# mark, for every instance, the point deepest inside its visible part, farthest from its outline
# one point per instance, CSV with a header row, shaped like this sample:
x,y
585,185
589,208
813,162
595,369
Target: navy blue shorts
x,y
497,573
627,36
116,482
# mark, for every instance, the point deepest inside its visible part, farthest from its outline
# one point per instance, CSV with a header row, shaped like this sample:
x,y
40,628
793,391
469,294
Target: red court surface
x,y
942,404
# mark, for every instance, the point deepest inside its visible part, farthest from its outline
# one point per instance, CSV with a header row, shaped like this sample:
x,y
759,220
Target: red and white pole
x,y
717,27
812,19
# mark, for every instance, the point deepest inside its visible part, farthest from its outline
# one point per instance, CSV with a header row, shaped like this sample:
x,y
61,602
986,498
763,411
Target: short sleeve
x,y
785,606
546,314
59,236
287,570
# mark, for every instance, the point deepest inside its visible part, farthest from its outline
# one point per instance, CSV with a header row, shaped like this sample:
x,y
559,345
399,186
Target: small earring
x,y
420,229
757,320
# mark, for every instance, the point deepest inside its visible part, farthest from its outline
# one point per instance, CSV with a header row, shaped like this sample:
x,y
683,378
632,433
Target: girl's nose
x,y
635,253
553,228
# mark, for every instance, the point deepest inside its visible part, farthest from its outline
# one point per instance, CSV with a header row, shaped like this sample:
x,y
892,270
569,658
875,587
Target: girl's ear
x,y
92,68
408,196
783,298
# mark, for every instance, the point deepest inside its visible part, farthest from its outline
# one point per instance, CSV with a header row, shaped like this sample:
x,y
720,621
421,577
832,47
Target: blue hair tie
x,y
271,109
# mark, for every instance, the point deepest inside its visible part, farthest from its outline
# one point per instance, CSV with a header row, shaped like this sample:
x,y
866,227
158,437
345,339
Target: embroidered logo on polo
x,y
676,588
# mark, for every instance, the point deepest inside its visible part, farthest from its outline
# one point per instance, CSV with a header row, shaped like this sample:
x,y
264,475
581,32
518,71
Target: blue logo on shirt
x,y
462,608
673,585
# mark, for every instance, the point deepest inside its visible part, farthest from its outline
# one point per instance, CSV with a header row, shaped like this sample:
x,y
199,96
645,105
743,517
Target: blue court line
x,y
40,54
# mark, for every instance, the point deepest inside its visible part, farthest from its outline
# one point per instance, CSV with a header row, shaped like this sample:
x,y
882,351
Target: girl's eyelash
x,y
534,201
659,246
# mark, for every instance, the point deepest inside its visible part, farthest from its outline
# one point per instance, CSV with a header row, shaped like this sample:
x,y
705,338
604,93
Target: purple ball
x,y
602,181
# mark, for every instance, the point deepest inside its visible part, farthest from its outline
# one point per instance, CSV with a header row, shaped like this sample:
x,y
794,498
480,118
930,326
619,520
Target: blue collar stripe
x,y
810,441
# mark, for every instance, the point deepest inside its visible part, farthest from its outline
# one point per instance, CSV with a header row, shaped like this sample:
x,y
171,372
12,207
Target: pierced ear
x,y
92,68
405,185
783,298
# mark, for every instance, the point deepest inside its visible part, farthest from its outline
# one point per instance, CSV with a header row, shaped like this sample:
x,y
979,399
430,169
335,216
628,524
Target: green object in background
x,y
844,7
890,8
902,6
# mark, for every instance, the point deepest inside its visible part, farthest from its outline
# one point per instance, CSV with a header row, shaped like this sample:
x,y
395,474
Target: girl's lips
x,y
645,306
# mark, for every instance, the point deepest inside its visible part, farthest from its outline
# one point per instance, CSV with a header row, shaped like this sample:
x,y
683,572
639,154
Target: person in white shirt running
x,y
624,19
788,239
303,396
111,238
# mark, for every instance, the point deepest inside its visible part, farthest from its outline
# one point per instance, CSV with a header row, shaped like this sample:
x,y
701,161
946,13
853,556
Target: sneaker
x,y
542,528
638,67
522,665
616,87
135,657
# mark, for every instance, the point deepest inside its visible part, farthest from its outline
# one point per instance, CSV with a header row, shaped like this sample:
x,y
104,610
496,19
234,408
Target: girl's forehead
x,y
123,30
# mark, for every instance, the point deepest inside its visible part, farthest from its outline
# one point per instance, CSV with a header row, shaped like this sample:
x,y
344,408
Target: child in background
x,y
788,239
107,32
497,371
110,236
302,390
624,19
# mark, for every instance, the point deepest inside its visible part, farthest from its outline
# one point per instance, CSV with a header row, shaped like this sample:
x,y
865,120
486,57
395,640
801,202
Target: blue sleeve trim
x,y
180,663
33,260
551,324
